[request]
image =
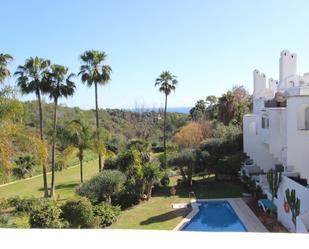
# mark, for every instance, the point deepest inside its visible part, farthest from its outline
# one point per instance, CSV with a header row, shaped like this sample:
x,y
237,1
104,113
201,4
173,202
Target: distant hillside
x,y
184,109
123,125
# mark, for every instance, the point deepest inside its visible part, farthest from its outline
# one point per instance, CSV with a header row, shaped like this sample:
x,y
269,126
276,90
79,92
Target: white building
x,y
276,134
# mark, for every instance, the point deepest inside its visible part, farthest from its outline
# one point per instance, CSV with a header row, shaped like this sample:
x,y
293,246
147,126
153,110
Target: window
x,y
265,122
303,117
307,118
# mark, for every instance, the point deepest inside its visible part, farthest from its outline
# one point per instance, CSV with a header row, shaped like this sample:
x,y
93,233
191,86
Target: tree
x,y
185,159
24,166
198,111
57,84
273,179
30,80
93,72
191,135
212,107
167,83
102,186
152,173
80,139
4,71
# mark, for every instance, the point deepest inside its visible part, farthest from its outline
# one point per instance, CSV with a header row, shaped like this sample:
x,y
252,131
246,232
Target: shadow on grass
x,y
205,189
182,212
63,186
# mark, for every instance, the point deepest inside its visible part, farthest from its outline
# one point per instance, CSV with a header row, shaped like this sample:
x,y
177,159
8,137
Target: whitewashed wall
x,y
297,139
301,192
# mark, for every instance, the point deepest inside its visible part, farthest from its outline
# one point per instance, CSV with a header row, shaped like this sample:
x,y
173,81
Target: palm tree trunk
x,y
81,157
164,131
52,188
149,190
42,139
97,123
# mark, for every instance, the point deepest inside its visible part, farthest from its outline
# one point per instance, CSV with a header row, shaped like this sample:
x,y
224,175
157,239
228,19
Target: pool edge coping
x,y
257,227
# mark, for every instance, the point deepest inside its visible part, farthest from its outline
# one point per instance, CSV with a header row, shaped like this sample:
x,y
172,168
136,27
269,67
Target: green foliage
x,y
25,166
78,212
230,165
103,186
294,204
198,112
165,180
273,179
106,213
25,205
46,215
4,204
129,196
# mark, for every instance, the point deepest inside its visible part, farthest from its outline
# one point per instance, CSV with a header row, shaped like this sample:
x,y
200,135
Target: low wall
x,y
302,193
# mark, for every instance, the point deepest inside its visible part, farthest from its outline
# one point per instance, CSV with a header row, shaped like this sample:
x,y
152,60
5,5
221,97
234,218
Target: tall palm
x,y
4,62
30,80
167,83
94,72
79,138
57,84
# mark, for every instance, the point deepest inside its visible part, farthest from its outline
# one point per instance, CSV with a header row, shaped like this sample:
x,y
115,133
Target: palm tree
x,y
30,80
79,139
57,84
4,71
94,72
167,83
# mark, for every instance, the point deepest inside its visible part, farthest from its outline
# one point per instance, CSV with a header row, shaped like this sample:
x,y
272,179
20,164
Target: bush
x,y
129,196
106,213
101,187
25,166
4,204
78,212
230,165
46,215
25,205
165,180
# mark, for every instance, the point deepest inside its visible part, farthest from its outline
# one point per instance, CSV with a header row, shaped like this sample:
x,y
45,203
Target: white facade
x,y
277,132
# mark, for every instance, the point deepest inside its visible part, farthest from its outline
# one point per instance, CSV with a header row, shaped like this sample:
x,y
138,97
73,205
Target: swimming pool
x,y
215,216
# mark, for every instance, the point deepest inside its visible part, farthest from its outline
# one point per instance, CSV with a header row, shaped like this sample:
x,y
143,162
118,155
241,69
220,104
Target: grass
x,y
66,182
153,214
157,213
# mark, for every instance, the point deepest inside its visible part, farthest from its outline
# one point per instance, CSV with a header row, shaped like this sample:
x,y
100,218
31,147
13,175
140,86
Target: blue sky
x,y
209,45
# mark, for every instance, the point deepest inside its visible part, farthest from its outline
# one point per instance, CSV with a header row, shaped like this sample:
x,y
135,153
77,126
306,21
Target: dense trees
x,y
167,83
94,72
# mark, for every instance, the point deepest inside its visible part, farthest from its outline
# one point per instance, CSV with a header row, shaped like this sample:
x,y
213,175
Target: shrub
x,y
4,220
46,215
25,166
129,196
25,205
4,204
78,212
107,214
165,180
103,186
230,165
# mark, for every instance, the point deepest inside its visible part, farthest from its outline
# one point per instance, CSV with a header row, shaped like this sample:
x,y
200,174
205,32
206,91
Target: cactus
x,y
294,204
273,179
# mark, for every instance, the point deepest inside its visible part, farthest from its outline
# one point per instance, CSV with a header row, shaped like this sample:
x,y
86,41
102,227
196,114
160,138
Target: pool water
x,y
215,216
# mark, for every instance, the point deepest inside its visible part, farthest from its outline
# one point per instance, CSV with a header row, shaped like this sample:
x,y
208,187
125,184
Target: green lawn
x,y
157,213
153,214
66,182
